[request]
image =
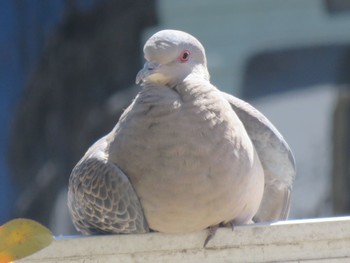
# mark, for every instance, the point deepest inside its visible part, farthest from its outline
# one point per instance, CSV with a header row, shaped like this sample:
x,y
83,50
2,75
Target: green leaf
x,y
22,237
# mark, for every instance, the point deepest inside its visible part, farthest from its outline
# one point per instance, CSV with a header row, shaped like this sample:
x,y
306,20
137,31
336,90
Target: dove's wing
x,y
101,198
276,158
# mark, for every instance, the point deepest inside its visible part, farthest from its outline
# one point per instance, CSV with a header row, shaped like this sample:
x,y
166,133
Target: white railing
x,y
312,240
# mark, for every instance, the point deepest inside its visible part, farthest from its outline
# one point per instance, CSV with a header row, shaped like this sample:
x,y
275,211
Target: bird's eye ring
x,y
185,56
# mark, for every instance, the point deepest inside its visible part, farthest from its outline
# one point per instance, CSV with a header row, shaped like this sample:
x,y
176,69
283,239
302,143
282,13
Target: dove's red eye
x,y
185,55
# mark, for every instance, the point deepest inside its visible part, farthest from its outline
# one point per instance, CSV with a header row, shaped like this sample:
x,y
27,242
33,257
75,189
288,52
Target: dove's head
x,y
171,56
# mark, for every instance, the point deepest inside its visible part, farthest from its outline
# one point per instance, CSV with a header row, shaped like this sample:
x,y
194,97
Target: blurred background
x,y
67,70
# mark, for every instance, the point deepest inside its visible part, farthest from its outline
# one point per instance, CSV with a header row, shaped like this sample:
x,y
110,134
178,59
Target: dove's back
x,y
188,158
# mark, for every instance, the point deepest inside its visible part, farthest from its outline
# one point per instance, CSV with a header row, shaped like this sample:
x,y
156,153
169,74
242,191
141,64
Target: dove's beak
x,y
148,69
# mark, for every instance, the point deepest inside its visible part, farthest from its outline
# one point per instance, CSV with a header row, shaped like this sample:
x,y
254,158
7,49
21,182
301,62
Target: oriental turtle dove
x,y
184,156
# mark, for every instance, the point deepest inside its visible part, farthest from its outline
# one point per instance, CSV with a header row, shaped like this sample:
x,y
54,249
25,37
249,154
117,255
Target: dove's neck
x,y
201,71
198,71
195,88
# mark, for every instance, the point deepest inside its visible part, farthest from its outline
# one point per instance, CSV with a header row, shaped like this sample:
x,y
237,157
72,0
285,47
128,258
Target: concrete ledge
x,y
313,240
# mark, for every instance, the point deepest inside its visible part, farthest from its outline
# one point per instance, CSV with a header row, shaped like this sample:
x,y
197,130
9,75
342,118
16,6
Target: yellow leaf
x,y
22,237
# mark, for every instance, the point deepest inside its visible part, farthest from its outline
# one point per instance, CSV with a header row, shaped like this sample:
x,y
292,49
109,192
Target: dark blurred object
x,y
341,144
338,6
68,103
277,71
341,154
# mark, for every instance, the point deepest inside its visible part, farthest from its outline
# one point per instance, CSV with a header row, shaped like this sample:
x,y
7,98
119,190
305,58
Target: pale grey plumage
x,y
183,156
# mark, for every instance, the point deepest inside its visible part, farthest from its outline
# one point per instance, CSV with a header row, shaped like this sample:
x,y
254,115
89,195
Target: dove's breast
x,y
189,159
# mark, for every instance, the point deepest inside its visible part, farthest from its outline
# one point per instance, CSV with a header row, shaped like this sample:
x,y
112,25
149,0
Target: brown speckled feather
x,y
102,200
